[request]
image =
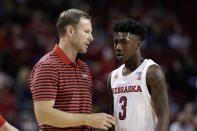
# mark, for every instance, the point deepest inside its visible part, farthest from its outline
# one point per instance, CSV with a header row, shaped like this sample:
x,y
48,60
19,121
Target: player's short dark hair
x,y
131,26
69,17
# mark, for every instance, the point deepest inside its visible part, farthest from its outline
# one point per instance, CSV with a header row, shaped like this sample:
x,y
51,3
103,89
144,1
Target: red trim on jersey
x,y
2,120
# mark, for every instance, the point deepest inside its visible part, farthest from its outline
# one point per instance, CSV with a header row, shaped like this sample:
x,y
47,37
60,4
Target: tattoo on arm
x,y
156,81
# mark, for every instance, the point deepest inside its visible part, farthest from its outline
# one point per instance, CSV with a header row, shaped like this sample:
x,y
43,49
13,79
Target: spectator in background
x,y
8,105
178,41
182,123
195,123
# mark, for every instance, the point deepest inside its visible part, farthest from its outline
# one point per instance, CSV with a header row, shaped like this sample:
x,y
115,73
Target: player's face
x,y
82,35
125,46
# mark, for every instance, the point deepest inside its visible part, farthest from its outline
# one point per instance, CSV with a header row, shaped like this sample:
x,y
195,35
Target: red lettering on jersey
x,y
132,88
122,90
127,89
139,89
119,88
114,91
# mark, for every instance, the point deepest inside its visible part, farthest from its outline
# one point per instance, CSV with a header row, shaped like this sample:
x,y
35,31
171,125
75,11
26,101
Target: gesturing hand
x,y
101,120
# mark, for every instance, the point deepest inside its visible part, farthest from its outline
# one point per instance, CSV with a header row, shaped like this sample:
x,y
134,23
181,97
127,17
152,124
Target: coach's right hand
x,y
101,120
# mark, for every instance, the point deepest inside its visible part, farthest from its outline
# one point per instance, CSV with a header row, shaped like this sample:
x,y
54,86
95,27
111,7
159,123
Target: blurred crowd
x,y
28,31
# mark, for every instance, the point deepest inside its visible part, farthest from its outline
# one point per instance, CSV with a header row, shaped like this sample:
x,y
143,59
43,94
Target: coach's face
x,y
125,46
82,35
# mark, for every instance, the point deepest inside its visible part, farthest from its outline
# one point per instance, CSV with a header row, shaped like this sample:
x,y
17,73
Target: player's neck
x,y
65,45
134,62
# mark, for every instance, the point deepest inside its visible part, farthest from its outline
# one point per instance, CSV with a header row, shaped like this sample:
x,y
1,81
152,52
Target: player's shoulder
x,y
150,62
154,72
116,71
152,65
119,68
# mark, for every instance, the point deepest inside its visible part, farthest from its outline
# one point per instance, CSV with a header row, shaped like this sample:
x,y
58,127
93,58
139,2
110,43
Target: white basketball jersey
x,y
133,107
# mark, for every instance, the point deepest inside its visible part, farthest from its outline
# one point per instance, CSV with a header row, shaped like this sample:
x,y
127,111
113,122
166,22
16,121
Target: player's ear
x,y
138,42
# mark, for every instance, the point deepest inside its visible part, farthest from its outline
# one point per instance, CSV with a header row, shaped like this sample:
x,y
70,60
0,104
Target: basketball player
x,y
138,86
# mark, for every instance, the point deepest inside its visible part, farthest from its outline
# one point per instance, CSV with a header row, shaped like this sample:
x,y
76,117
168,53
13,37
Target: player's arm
x,y
5,126
156,81
111,100
109,89
46,114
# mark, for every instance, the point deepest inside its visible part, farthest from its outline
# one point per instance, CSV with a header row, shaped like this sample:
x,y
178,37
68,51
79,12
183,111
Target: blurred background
x,y
28,31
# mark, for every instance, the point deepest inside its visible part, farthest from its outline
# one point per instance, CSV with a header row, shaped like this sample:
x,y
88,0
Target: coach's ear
x,y
69,30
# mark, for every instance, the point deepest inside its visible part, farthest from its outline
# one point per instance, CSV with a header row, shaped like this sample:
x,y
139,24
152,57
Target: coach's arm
x,y
46,114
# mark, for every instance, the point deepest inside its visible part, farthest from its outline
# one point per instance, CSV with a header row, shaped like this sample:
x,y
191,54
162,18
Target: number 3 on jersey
x,y
123,100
